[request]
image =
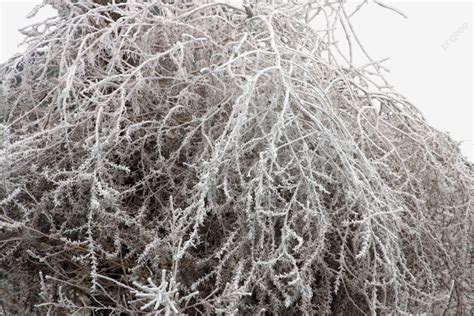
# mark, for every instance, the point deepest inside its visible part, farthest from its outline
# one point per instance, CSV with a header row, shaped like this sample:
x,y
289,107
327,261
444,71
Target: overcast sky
x,y
430,55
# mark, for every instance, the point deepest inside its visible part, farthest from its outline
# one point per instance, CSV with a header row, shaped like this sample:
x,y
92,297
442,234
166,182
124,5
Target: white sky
x,y
430,54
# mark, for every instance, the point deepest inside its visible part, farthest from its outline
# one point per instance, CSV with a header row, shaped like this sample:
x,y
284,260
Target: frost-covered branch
x,y
240,151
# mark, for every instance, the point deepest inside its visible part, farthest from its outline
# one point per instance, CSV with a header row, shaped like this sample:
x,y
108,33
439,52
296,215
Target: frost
x,y
157,298
204,158
205,71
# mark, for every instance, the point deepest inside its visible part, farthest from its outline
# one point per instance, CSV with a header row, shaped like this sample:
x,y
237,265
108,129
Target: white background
x,y
430,54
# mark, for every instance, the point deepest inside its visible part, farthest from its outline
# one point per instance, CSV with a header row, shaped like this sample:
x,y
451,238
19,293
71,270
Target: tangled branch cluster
x,y
199,158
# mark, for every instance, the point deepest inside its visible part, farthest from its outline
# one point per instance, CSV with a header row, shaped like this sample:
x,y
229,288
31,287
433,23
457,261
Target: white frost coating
x,y
205,71
204,158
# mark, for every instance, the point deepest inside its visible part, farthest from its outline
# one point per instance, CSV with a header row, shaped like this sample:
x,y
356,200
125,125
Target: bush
x,y
199,158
